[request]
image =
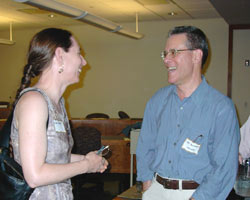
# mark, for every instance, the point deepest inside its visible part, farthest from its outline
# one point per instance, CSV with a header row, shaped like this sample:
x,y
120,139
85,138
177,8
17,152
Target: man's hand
x,y
240,159
146,185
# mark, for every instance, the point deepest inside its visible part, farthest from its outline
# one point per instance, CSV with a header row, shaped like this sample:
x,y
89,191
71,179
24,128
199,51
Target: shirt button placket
x,y
178,125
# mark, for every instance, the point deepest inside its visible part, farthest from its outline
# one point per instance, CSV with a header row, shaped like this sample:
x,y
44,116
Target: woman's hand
x,y
95,162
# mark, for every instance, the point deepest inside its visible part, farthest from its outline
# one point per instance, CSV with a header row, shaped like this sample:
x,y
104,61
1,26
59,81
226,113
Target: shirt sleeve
x,y
145,146
244,148
223,152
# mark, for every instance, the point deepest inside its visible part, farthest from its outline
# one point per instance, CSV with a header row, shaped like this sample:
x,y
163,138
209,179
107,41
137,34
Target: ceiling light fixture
x,y
172,13
6,41
51,16
85,16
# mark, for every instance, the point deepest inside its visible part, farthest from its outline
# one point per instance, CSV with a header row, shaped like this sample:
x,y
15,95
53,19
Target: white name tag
x,y
191,146
59,126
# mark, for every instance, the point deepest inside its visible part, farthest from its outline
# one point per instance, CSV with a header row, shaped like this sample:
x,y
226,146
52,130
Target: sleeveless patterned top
x,y
59,145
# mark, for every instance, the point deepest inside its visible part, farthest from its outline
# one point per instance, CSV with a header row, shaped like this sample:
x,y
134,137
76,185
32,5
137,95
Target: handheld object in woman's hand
x,y
103,150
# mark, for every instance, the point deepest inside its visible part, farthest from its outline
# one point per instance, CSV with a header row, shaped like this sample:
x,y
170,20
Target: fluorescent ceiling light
x,y
85,16
6,41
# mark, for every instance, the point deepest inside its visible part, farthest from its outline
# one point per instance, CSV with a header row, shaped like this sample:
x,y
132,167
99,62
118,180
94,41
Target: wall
x,y
241,73
122,73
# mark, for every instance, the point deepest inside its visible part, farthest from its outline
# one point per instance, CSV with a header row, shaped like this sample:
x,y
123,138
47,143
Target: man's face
x,y
180,66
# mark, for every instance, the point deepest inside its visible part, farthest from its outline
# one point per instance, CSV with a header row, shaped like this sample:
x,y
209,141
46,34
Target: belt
x,y
174,184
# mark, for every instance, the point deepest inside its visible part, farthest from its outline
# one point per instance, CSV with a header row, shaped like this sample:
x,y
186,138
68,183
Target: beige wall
x,y
241,73
122,73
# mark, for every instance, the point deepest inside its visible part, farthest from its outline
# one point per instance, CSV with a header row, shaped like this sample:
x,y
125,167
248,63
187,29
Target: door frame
x,y
230,54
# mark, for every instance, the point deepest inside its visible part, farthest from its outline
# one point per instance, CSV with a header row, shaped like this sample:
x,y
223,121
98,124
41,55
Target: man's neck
x,y
186,90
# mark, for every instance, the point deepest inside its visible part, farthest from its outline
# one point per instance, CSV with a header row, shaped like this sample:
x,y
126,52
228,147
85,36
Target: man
x,y
188,145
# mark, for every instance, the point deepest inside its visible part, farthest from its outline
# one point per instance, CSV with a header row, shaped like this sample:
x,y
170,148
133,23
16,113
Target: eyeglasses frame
x,y
173,52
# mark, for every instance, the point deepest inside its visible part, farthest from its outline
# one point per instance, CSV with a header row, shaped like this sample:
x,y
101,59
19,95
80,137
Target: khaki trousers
x,y
158,192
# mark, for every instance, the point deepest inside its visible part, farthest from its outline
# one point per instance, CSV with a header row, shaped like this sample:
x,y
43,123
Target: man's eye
x,y
172,53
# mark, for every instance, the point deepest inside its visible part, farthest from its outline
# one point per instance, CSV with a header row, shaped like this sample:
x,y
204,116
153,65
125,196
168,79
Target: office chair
x,y
123,115
97,115
86,139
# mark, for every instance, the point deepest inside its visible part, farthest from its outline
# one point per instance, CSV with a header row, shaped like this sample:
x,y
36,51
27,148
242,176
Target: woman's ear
x,y
59,55
58,60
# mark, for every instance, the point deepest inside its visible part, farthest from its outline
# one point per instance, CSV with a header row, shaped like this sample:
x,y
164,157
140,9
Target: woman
x,y
244,148
41,136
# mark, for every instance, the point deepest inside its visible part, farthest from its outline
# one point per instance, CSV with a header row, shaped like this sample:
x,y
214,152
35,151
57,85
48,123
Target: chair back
x,y
86,139
97,115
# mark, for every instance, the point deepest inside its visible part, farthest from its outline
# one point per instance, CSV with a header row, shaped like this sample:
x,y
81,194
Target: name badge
x,y
191,146
59,126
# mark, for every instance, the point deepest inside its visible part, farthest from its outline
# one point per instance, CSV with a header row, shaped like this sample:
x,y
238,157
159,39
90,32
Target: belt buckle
x,y
167,183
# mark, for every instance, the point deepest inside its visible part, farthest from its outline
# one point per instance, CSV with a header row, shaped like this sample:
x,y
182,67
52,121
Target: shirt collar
x,y
201,91
199,94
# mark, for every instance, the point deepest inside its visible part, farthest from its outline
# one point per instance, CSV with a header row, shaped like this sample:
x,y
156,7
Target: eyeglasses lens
x,y
172,53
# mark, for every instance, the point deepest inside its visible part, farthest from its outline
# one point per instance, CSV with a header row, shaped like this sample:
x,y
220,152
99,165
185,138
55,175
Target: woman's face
x,y
73,62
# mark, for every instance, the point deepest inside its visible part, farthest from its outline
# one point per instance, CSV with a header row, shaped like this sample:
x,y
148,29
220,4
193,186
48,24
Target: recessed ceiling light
x,y
51,15
172,13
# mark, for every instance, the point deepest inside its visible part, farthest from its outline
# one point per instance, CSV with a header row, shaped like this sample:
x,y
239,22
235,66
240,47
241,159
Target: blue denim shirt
x,y
207,118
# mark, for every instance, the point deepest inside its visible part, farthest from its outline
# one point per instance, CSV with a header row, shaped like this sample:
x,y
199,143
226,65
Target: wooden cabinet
x,y
4,113
2,122
119,158
111,135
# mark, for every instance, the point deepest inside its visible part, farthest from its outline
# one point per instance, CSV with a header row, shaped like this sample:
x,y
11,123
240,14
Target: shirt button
x,y
178,125
181,108
169,161
175,144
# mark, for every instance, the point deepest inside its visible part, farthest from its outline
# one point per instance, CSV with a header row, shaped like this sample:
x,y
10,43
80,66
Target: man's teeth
x,y
171,68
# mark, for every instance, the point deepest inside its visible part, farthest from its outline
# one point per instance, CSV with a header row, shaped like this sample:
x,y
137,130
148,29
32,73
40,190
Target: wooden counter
x,y
107,127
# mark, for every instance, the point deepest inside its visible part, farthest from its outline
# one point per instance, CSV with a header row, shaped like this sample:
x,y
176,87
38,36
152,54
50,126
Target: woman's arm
x,y
76,157
31,116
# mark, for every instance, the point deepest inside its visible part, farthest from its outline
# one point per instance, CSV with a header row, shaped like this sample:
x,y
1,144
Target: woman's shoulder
x,y
31,100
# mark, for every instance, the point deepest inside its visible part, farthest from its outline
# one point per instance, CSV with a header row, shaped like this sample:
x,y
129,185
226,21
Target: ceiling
x,y
120,11
234,12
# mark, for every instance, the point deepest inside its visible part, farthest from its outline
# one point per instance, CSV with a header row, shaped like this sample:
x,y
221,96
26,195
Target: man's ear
x,y
197,56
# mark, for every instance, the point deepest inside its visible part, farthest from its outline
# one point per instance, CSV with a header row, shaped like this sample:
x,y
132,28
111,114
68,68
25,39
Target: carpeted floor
x,y
99,186
107,186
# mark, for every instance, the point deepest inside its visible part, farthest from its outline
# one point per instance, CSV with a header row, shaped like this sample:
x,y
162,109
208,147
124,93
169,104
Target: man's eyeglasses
x,y
172,52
